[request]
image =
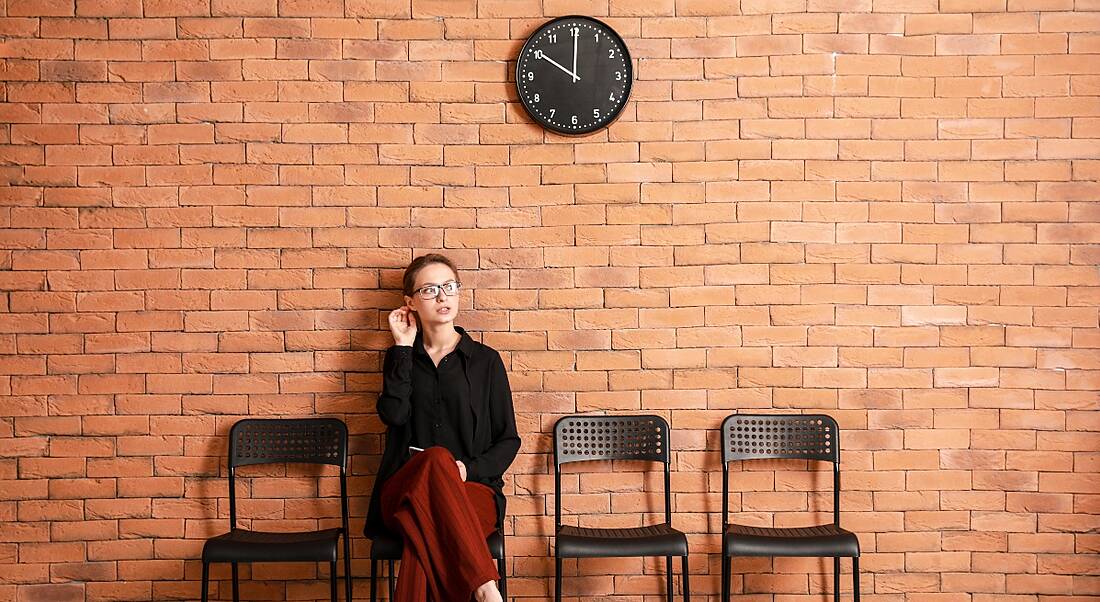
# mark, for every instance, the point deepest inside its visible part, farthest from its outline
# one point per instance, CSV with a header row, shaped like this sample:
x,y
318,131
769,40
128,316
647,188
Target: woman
x,y
447,394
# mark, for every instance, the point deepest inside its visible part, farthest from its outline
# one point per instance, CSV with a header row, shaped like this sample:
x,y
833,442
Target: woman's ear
x,y
412,310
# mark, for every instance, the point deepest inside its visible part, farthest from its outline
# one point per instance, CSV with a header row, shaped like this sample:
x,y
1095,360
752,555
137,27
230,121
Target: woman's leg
x,y
445,553
483,500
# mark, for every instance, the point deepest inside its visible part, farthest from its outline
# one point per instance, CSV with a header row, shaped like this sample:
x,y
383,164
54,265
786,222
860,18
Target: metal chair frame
x,y
634,437
748,437
255,441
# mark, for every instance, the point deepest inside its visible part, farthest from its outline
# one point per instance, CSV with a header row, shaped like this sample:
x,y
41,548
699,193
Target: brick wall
x,y
881,209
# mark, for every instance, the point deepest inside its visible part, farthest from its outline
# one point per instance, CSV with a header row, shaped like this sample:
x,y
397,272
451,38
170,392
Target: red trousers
x,y
444,522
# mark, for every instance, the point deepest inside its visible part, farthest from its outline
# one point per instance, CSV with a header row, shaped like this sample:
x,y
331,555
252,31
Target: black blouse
x,y
464,405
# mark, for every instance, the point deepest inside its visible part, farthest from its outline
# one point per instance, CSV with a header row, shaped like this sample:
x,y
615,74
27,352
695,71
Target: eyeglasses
x,y
431,291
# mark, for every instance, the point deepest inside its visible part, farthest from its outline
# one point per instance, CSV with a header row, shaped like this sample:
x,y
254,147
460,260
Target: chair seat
x,y
817,541
242,545
654,540
386,546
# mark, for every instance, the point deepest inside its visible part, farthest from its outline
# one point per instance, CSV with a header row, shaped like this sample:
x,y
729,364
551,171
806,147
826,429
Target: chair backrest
x,y
288,440
581,438
764,436
780,436
306,440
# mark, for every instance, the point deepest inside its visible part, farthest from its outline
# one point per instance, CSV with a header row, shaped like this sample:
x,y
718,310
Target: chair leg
x,y
684,578
855,578
668,578
347,568
725,577
236,584
393,587
205,581
727,570
836,579
501,568
373,580
557,579
332,581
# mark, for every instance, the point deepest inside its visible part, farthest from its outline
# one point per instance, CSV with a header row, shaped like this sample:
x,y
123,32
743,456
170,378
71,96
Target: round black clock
x,y
574,75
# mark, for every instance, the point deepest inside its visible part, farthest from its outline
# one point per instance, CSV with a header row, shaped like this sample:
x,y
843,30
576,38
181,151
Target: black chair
x,y
310,441
583,438
389,548
803,437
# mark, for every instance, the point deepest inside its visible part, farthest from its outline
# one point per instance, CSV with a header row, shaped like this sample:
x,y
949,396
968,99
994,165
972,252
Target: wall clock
x,y
574,75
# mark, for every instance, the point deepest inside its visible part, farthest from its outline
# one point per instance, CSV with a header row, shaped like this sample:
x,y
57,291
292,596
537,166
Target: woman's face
x,y
441,308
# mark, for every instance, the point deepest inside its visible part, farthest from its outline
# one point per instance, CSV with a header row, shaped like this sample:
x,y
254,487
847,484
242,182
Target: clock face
x,y
574,75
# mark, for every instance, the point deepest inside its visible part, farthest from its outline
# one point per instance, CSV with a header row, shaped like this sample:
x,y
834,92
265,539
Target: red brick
x,y
802,208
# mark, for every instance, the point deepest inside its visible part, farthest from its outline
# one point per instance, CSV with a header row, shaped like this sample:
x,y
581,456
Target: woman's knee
x,y
437,454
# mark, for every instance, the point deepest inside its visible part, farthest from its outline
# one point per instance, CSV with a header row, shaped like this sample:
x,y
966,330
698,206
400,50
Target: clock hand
x,y
555,63
575,36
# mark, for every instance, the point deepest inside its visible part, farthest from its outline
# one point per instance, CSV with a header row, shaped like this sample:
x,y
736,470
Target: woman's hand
x,y
403,325
461,469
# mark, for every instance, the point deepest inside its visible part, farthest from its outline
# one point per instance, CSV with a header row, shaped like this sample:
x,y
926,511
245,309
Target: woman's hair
x,y
408,283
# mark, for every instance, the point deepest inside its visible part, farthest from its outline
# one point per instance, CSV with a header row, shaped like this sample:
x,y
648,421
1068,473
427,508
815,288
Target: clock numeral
x,y
531,76
610,53
574,120
618,76
536,97
552,111
611,97
597,37
538,54
553,38
596,113
576,31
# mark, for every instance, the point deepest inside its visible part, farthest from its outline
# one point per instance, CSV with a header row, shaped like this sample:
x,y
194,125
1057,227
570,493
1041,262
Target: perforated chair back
x,y
780,436
586,438
582,438
305,440
764,436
